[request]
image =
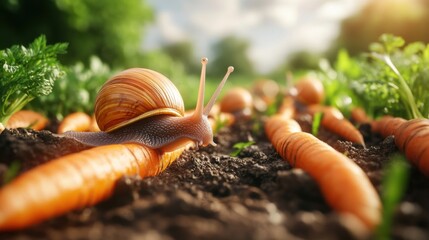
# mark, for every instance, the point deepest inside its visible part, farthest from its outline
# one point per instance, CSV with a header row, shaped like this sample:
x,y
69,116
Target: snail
x,y
143,106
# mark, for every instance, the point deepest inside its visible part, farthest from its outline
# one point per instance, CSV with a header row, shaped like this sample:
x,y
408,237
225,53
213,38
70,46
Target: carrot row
x,y
77,121
75,181
344,185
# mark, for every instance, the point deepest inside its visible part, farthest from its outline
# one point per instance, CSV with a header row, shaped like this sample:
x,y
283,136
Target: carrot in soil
x,y
412,138
75,181
27,119
78,121
334,121
386,125
344,185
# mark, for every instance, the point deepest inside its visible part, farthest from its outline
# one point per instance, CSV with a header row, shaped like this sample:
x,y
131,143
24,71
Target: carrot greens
x,y
75,91
27,73
404,72
391,79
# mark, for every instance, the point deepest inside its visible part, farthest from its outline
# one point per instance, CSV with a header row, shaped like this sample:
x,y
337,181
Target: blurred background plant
x,y
75,91
105,28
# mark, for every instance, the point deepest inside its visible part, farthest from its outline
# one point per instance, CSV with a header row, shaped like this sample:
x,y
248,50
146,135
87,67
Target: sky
x,y
274,28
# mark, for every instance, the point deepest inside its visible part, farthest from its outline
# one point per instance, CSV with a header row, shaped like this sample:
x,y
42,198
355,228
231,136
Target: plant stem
x,y
406,94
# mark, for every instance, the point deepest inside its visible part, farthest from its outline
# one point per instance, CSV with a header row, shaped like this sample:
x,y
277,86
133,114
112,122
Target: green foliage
x,y
240,147
231,51
391,79
27,73
336,82
106,28
183,52
76,91
393,188
395,78
315,126
12,171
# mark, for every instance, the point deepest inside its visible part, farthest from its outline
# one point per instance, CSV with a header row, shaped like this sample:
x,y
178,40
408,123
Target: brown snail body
x,y
143,106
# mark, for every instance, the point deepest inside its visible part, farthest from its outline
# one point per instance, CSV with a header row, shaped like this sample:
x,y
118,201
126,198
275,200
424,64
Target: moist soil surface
x,y
208,194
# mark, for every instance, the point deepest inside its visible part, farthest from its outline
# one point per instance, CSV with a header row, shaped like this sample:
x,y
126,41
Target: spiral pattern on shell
x,y
134,94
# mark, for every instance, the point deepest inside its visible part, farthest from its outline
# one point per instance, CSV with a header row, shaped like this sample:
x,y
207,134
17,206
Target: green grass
x,y
393,188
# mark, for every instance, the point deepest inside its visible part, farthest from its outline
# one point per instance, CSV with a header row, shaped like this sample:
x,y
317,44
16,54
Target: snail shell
x,y
135,94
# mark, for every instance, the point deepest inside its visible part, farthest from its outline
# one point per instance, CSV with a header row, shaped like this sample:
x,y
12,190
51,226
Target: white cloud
x,y
274,28
168,27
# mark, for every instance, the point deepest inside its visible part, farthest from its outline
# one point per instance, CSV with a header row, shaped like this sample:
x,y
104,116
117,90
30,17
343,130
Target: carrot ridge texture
x,y
75,181
344,185
334,121
411,138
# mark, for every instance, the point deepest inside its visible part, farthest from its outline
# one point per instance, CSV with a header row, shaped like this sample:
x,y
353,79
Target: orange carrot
x,y
386,125
27,119
309,90
344,185
78,121
287,108
358,115
75,181
412,138
334,121
279,123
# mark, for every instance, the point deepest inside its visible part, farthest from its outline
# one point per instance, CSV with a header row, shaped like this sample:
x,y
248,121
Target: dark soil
x,y
207,194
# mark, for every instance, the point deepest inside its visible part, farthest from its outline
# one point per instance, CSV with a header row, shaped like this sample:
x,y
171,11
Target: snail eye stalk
x,y
217,92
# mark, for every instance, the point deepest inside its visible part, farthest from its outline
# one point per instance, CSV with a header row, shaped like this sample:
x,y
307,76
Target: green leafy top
x,y
75,91
26,73
391,79
336,81
404,72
